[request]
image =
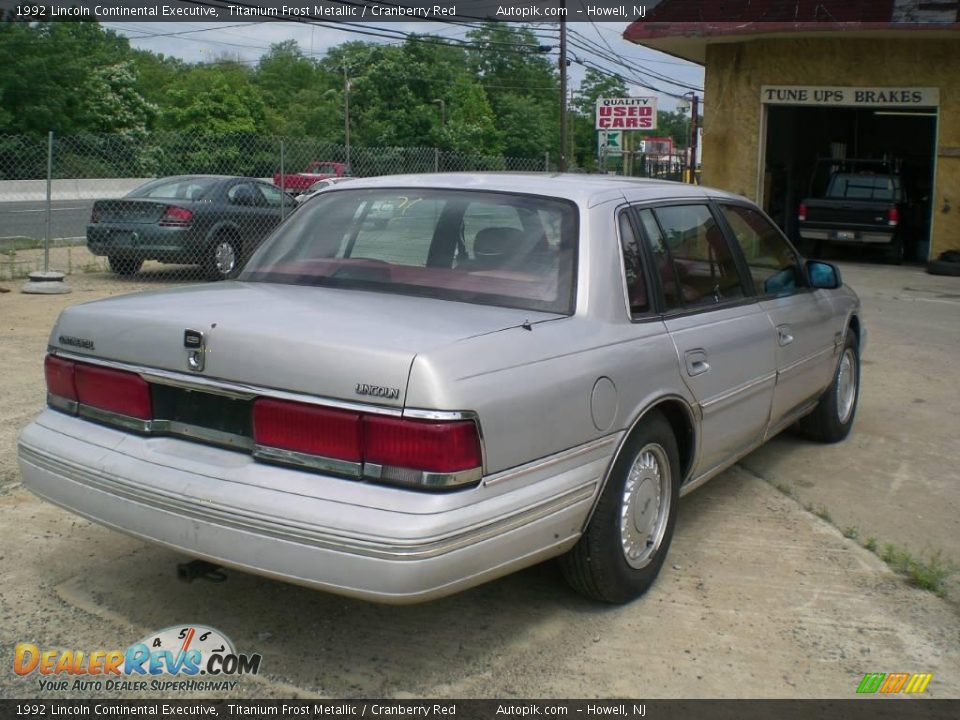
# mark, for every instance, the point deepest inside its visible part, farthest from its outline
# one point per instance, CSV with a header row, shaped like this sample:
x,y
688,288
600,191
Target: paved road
x,y
28,219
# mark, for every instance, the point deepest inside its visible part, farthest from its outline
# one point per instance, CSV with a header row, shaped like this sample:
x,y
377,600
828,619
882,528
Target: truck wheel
x,y
124,265
896,251
620,554
832,419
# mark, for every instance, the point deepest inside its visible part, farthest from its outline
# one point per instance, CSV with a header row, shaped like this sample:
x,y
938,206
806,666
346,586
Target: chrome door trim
x,y
720,401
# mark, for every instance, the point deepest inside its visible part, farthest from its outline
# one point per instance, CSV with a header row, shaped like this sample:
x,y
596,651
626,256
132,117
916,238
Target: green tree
x,y
47,66
522,85
216,99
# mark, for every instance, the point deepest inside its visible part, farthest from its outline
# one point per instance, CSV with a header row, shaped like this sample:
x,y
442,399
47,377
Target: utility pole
x,y
563,90
694,136
346,115
443,111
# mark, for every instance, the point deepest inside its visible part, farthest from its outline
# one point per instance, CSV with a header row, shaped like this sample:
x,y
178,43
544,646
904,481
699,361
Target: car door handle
x,y
783,335
696,361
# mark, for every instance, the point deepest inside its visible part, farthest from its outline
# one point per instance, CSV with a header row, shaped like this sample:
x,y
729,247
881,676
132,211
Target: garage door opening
x,y
801,141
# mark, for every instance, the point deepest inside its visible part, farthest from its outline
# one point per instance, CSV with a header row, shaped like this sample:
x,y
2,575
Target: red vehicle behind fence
x,y
296,183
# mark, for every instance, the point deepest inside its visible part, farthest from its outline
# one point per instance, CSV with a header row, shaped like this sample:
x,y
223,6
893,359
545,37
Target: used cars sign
x,y
631,113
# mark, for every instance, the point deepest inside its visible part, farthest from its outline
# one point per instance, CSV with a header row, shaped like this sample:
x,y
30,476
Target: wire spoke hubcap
x,y
846,386
645,506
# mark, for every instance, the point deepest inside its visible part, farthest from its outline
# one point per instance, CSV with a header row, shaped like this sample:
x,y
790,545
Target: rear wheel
x,y
124,265
832,419
620,554
223,259
896,251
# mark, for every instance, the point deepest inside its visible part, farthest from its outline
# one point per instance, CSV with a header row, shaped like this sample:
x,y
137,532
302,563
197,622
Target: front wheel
x,y
620,554
832,419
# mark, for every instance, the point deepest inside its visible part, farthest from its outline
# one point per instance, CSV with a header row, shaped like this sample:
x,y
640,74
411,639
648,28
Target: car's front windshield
x,y
483,247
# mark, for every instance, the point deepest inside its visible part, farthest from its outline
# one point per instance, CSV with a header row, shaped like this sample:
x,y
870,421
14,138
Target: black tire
x,y
943,267
125,265
831,421
222,260
597,566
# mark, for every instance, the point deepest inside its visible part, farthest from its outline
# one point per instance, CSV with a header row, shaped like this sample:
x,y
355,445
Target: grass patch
x,y
871,544
929,574
851,532
822,513
785,489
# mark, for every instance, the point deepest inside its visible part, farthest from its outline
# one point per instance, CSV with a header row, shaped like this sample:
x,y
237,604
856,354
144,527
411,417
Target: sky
x,y
207,42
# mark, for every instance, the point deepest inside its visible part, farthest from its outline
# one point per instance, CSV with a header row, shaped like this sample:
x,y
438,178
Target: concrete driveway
x,y
759,597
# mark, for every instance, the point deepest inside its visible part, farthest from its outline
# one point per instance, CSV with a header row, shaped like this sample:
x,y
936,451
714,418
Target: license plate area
x,y
189,411
846,235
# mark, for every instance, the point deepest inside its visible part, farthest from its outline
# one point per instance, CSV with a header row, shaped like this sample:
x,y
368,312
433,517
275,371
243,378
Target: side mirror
x,y
823,275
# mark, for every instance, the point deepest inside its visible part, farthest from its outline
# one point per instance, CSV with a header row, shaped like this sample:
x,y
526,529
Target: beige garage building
x,y
792,85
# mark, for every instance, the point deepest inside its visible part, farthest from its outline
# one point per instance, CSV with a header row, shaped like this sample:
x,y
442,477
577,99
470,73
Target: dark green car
x,y
212,221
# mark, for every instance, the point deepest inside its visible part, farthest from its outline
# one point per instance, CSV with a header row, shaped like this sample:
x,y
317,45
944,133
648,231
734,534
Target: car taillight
x,y
401,450
95,214
60,377
176,217
308,429
116,391
802,212
430,446
893,217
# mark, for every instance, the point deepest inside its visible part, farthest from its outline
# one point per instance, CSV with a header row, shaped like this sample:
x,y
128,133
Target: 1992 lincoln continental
x,y
421,383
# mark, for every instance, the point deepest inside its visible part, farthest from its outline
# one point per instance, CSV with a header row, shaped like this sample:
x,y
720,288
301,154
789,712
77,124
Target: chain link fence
x,y
148,205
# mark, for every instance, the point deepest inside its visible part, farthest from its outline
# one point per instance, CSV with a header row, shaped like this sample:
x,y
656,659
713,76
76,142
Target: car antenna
x,y
526,324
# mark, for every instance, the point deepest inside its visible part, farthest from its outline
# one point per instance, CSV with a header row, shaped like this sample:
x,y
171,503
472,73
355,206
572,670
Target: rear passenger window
x,y
706,273
637,296
662,262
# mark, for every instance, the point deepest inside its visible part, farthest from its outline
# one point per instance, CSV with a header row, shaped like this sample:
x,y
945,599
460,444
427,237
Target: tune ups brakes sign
x,y
184,658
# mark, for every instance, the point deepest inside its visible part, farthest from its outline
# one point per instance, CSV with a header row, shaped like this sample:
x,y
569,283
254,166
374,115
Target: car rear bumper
x,y
850,235
350,539
145,241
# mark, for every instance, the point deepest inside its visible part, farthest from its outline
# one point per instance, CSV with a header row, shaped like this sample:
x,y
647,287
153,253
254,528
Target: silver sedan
x,y
420,383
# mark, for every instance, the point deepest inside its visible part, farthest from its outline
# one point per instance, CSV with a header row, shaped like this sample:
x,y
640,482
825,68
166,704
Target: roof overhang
x,y
689,40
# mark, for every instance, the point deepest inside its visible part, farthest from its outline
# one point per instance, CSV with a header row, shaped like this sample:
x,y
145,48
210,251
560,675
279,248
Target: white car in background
x,y
320,186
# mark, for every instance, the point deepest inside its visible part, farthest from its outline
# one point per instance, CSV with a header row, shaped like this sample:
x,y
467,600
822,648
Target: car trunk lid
x,y
332,343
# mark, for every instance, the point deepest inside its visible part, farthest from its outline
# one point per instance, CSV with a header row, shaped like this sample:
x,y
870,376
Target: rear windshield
x,y
193,188
863,187
480,247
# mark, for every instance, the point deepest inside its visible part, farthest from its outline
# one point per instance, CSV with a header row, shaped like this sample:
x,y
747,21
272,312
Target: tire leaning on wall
x,y
947,264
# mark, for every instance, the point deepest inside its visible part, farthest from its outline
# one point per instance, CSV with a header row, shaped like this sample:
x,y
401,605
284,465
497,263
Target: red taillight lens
x,y
308,429
60,377
176,217
802,212
116,391
442,447
893,217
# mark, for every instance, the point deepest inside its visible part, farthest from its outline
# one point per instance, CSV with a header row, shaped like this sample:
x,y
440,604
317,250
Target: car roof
x,y
586,189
